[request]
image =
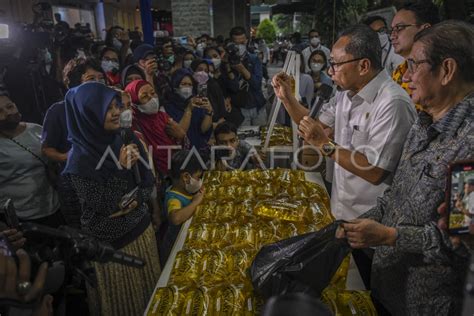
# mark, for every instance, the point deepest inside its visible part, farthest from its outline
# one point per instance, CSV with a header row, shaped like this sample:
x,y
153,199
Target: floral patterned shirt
x,y
423,274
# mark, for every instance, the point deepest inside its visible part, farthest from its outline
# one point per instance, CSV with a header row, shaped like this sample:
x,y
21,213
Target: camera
x,y
232,51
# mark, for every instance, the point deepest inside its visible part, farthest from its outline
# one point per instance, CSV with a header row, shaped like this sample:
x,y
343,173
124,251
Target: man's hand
x,y
312,132
364,233
15,238
198,197
11,276
282,86
151,67
175,131
123,37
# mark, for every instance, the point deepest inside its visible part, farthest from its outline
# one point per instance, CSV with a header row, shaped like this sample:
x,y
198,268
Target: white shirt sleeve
x,y
328,112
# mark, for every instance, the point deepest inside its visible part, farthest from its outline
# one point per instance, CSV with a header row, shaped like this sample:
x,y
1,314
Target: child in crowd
x,y
226,135
182,197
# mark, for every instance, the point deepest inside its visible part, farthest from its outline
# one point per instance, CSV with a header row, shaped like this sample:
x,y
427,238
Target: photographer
x,y
145,58
243,72
18,295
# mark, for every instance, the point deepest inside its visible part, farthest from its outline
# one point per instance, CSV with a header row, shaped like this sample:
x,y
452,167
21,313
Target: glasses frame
x,y
398,28
332,64
413,64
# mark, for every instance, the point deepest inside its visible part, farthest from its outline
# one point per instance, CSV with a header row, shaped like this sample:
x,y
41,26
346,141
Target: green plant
x,y
266,30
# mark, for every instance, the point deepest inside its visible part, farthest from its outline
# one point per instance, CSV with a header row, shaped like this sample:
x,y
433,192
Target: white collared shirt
x,y
374,122
390,59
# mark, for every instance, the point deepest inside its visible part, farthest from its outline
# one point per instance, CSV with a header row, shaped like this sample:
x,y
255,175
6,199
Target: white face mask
x,y
383,38
316,67
193,186
315,41
216,62
109,66
201,77
242,49
187,63
185,92
151,107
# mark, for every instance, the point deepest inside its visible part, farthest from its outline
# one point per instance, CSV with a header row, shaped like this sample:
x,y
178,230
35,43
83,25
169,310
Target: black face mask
x,y
11,122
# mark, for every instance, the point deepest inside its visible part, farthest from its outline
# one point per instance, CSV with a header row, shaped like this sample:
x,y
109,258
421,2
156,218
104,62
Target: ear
x,y
364,66
448,69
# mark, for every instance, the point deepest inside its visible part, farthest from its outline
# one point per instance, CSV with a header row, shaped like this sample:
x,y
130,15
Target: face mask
x,y
117,44
315,41
102,81
185,92
383,38
193,186
316,67
242,49
211,75
216,62
151,107
109,66
201,77
187,63
11,122
171,59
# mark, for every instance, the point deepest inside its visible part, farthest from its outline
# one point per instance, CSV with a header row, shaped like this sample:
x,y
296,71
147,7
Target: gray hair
x,y
450,39
364,43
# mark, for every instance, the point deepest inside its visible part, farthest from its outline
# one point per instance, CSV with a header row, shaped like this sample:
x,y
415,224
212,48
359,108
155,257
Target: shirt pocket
x,y
359,139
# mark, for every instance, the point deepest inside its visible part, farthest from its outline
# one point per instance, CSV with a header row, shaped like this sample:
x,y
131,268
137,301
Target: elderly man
x,y
370,119
416,270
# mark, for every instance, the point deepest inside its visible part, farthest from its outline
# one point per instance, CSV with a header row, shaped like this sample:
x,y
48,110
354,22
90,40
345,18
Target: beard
x,y
10,122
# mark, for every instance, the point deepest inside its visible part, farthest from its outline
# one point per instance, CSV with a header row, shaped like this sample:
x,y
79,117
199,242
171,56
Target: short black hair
x,y
364,43
179,165
424,11
237,31
450,39
321,53
106,49
77,67
313,31
371,19
225,128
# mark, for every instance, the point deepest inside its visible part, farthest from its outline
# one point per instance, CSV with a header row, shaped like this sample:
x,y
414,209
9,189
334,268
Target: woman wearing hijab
x,y
113,200
157,128
194,114
130,73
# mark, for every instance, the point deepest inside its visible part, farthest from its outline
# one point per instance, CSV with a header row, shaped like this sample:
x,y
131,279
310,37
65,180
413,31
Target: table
x,y
354,281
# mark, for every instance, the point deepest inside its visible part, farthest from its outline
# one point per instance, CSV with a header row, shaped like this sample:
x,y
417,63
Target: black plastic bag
x,y
301,264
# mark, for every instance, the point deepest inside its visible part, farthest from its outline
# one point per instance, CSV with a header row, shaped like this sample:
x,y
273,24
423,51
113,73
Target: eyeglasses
x,y
401,27
413,64
383,30
334,65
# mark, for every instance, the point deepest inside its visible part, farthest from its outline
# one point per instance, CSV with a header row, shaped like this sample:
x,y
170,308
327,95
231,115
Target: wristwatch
x,y
328,149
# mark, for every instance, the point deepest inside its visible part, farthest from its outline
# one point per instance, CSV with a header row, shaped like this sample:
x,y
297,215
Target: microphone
x,y
324,93
127,136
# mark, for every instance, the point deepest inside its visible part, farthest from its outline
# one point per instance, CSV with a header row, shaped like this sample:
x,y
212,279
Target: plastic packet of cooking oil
x,y
286,230
283,210
195,303
345,302
339,279
266,232
168,300
216,266
321,215
198,236
243,237
186,267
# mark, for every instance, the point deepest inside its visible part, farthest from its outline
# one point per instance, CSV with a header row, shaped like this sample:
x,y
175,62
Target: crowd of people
x,y
115,157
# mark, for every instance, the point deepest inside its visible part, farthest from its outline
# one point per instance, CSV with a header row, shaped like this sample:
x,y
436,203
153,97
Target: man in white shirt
x,y
370,122
314,44
390,59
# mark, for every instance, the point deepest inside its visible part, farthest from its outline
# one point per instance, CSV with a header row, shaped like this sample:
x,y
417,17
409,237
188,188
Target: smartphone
x,y
10,215
460,197
5,248
128,198
202,90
